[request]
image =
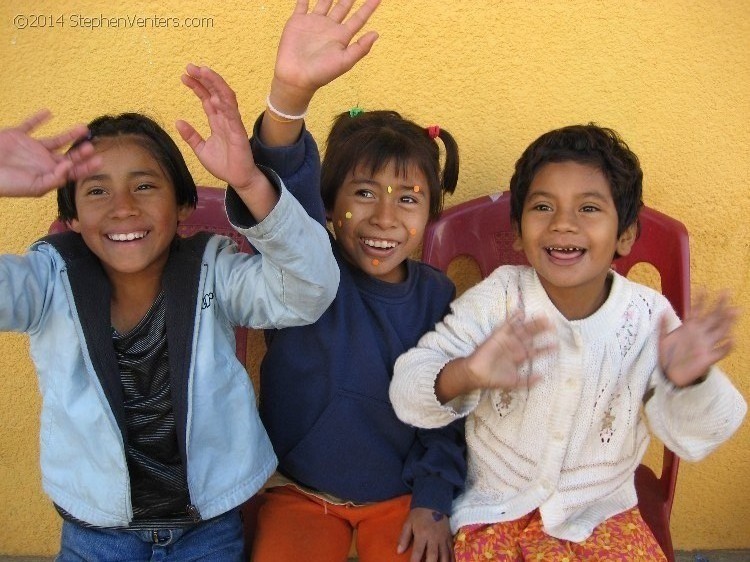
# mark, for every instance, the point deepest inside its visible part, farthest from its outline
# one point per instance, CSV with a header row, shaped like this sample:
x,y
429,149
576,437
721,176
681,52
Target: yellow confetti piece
x,y
348,214
416,189
390,189
376,262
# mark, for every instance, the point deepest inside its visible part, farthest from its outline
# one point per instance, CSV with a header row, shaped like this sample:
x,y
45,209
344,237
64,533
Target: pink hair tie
x,y
433,131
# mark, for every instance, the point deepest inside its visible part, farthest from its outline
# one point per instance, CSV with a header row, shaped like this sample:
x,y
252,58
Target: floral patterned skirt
x,y
623,537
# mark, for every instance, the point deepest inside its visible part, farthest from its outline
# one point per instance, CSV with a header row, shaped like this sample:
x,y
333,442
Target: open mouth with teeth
x,y
379,244
565,252
127,237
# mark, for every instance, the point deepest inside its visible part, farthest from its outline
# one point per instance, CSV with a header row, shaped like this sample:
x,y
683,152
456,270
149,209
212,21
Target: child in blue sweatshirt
x,y
345,460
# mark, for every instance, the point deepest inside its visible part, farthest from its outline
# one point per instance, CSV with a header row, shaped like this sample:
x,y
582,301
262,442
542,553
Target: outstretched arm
x,y
31,167
226,152
703,339
315,48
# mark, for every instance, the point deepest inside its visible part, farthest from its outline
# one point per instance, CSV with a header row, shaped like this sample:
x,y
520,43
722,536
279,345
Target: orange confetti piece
x,y
376,262
413,232
416,189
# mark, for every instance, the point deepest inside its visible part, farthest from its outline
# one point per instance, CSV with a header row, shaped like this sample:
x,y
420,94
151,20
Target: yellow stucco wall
x,y
672,77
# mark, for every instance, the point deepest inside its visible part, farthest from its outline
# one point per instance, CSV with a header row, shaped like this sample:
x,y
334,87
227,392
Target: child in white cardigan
x,y
552,364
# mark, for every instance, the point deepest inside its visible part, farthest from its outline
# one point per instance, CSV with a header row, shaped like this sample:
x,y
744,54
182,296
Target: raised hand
x,y
497,362
704,338
316,47
31,167
226,152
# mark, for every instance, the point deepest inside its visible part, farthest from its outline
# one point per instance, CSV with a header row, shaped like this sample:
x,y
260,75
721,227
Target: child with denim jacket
x,y
150,436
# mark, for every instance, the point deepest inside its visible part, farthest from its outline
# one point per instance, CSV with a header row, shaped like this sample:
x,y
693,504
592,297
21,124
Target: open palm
x,y
315,48
226,152
686,353
31,167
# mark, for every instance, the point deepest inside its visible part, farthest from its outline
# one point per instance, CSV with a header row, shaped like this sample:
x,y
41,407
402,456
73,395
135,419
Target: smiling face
x,y
569,235
127,212
379,219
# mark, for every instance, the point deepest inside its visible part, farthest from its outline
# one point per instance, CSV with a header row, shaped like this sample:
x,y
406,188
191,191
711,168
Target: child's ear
x,y
183,212
627,239
74,225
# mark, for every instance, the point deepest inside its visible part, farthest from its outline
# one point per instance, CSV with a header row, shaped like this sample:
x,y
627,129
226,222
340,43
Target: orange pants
x,y
294,526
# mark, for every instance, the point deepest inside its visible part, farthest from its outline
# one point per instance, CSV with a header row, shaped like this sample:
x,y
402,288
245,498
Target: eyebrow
x,y
131,175
584,195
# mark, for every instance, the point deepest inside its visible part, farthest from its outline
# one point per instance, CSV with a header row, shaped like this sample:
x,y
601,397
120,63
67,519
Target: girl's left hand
x,y
431,534
226,152
705,337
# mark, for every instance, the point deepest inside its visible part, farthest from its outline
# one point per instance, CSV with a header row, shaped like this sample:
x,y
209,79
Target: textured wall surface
x,y
672,77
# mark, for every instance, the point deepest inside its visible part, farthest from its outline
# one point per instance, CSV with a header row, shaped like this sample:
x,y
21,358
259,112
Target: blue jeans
x,y
217,540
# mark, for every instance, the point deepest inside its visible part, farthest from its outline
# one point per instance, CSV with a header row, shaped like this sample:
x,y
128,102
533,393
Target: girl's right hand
x,y
315,48
497,362
31,167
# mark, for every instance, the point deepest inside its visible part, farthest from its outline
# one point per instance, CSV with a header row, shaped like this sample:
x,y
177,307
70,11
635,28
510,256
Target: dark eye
x,y
589,208
95,191
541,207
144,186
365,193
409,199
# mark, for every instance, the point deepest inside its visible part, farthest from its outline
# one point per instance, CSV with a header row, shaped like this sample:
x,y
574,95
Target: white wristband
x,y
282,114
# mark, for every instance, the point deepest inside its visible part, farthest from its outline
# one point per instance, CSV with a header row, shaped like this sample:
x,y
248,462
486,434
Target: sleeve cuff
x,y
432,492
238,214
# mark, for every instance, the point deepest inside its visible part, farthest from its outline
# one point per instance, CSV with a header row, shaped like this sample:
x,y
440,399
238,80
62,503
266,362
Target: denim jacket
x,y
58,293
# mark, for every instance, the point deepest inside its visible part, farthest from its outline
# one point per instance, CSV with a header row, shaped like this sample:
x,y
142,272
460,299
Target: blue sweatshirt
x,y
324,387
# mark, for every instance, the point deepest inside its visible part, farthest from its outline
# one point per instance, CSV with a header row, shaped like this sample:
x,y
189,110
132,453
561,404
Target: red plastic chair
x,y
481,229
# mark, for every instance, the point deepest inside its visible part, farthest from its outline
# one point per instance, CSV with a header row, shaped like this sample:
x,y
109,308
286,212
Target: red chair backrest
x,y
208,216
481,229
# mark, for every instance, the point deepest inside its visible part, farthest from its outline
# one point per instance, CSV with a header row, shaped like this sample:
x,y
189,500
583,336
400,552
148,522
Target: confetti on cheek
x,y
376,262
348,214
390,189
340,223
413,231
416,189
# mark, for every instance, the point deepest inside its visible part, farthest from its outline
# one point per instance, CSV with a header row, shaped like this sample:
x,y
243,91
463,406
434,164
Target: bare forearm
x,y
259,196
275,130
453,381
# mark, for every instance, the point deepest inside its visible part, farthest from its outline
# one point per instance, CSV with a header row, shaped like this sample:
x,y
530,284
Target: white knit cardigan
x,y
570,444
